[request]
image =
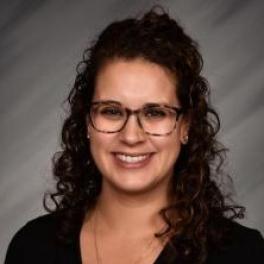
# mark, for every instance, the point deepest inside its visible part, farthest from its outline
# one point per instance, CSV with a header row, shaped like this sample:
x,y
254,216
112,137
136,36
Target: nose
x,y
132,133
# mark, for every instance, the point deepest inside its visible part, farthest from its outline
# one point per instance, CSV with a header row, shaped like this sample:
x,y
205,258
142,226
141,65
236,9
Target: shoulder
x,y
43,228
34,240
247,238
243,245
39,225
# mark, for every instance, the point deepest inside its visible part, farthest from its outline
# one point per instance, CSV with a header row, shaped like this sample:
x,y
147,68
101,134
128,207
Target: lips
x,y
132,160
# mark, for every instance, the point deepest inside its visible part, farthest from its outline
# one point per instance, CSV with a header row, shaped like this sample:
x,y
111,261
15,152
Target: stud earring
x,y
185,139
88,136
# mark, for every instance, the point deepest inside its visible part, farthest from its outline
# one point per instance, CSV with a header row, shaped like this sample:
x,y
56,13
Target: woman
x,y
139,172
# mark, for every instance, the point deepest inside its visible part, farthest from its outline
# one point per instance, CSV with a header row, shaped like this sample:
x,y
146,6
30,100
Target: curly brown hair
x,y
201,206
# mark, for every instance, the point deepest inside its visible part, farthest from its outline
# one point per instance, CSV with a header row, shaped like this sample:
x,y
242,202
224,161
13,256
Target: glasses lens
x,y
158,120
107,117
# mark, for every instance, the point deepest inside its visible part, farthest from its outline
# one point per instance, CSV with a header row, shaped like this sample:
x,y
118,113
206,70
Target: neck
x,y
124,213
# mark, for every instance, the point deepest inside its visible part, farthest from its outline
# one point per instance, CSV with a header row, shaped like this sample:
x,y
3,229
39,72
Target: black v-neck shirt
x,y
36,243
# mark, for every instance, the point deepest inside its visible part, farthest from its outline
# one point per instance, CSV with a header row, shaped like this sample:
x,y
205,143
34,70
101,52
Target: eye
x,y
155,112
111,112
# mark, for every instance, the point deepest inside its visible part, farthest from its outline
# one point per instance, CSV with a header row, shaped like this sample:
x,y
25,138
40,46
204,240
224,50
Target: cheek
x,y
169,149
173,151
97,144
100,146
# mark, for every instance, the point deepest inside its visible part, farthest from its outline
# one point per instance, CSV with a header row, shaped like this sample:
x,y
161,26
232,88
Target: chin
x,y
134,186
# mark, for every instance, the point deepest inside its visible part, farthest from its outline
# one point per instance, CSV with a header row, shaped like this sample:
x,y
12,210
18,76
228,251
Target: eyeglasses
x,y
154,119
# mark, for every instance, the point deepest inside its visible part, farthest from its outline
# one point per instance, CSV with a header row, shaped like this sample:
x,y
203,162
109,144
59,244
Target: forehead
x,y
135,82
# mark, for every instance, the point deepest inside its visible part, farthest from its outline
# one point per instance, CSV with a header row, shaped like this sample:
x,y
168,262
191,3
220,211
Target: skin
x,y
135,83
131,197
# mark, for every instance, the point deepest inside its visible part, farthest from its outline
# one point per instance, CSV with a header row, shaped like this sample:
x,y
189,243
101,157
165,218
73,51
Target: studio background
x,y
41,43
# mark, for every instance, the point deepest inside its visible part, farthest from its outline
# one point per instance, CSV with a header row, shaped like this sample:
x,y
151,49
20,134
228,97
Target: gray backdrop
x,y
42,41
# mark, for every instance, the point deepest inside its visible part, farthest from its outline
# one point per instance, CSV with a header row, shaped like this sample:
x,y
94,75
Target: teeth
x,y
131,159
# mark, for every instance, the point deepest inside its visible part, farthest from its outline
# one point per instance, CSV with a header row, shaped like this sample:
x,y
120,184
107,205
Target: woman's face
x,y
132,161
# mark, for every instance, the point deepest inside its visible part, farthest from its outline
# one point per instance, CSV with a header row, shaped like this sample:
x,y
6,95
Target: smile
x,y
132,159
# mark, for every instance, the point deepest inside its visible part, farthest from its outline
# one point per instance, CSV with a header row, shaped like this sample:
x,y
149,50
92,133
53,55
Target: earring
x,y
88,136
185,139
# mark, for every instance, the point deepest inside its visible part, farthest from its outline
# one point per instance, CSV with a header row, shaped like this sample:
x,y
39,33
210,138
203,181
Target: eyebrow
x,y
148,104
107,102
152,104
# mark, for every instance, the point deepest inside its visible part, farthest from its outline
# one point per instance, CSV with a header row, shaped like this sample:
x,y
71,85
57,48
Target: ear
x,y
184,129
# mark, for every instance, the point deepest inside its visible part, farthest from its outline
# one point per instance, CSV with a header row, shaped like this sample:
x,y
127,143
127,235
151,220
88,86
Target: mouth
x,y
132,160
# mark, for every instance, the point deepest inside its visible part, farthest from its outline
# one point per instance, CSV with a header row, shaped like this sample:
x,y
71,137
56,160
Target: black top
x,y
36,243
